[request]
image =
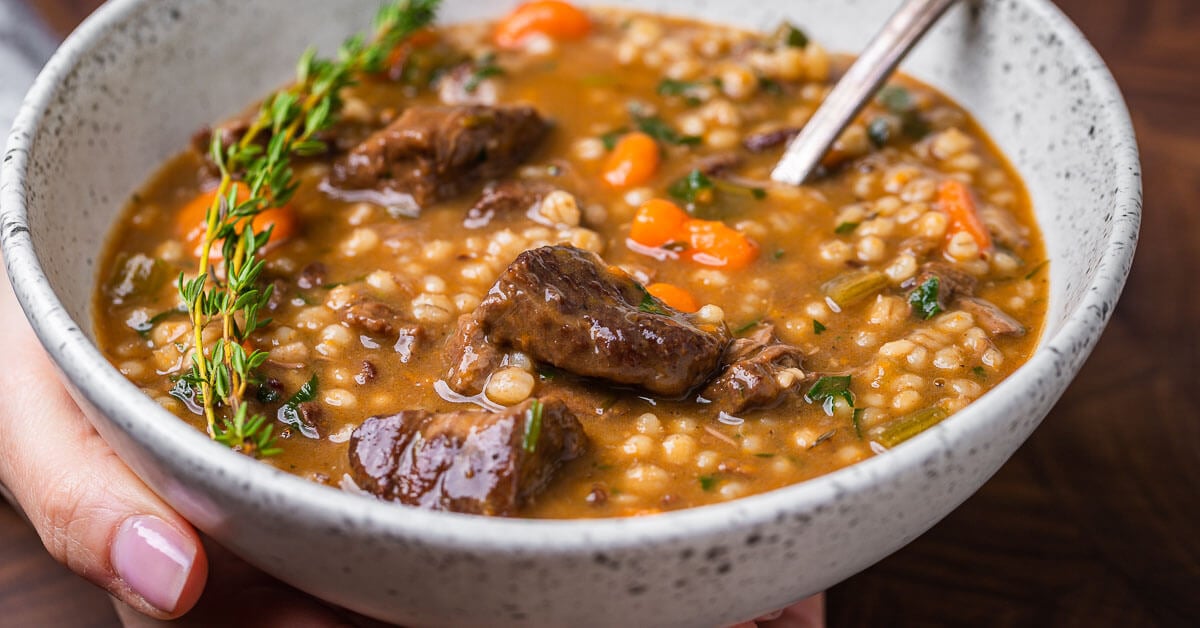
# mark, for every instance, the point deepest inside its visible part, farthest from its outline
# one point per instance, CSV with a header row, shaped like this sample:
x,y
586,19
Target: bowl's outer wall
x,y
138,78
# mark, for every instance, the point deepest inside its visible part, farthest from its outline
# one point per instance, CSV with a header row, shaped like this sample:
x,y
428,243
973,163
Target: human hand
x,y
96,517
807,613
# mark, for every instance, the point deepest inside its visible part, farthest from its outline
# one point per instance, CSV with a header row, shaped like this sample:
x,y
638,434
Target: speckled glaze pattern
x,y
129,87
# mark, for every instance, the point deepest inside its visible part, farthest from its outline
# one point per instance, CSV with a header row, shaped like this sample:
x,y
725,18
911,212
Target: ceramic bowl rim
x,y
109,391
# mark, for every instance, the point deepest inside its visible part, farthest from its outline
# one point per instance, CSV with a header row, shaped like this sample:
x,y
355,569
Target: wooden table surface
x,y
1096,520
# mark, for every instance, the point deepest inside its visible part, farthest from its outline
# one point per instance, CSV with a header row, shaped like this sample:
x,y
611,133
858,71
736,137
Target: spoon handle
x,y
856,88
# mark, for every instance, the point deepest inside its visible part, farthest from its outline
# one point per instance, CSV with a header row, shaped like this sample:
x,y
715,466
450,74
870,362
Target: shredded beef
x,y
759,371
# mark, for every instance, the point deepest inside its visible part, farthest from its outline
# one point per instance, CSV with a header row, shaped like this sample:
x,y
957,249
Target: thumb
x,y
91,512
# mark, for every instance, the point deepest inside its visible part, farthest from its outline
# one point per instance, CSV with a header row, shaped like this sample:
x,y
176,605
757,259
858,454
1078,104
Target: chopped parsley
x,y
899,101
777,255
143,327
764,455
694,187
610,139
650,304
770,86
289,412
924,299
818,327
485,68
708,482
828,389
879,131
683,89
747,327
662,132
980,372
533,426
788,35
846,227
1037,269
856,417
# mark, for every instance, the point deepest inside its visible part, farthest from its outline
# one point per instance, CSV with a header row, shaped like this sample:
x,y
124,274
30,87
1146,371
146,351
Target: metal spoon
x,y
857,87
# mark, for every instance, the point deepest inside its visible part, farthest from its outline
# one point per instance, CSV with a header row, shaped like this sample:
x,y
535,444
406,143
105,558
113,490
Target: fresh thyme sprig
x,y
256,175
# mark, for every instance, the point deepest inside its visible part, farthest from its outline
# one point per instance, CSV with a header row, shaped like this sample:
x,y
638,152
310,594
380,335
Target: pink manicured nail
x,y
154,559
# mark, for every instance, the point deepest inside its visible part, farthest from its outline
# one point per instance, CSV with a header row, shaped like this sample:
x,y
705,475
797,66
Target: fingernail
x,y
154,559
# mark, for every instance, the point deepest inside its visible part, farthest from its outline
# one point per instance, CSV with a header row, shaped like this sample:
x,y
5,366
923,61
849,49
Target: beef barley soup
x,y
537,268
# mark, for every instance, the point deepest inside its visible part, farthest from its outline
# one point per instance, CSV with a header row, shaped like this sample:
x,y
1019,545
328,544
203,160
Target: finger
x,y
240,595
807,613
91,512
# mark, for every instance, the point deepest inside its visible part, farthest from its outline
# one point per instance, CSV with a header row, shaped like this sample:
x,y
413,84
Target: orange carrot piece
x,y
555,19
713,243
191,222
674,296
955,199
658,222
633,161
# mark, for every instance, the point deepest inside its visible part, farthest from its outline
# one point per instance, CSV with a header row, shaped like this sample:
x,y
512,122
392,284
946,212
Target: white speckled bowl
x,y
137,78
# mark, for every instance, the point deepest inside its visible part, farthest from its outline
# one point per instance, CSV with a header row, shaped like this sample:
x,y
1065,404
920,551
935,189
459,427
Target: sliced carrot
x,y
555,19
713,243
657,222
633,161
955,198
191,222
674,296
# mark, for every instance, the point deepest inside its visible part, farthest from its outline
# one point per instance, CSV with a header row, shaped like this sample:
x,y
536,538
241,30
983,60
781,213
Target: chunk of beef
x,y
312,276
952,282
991,318
470,461
566,307
766,140
719,164
1004,227
505,197
434,153
372,316
472,357
759,371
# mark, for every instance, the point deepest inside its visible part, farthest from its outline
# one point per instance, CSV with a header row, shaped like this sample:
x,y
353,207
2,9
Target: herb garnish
x,y
879,131
143,328
747,327
664,133
708,482
485,68
1037,269
289,412
846,227
256,175
924,299
610,138
650,304
818,327
899,101
533,426
980,372
856,418
778,254
695,187
788,35
829,388
683,89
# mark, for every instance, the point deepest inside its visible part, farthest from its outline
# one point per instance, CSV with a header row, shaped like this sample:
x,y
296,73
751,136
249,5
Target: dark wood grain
x,y
1096,520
